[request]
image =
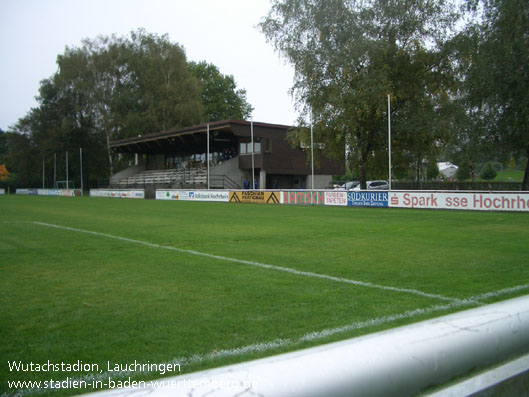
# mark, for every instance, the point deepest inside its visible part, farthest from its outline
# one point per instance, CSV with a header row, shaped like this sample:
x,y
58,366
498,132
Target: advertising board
x,y
193,195
367,199
116,193
461,201
50,192
303,197
254,196
336,198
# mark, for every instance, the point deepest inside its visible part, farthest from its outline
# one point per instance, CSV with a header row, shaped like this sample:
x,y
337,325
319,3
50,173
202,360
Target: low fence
x,y
51,192
477,201
118,193
402,361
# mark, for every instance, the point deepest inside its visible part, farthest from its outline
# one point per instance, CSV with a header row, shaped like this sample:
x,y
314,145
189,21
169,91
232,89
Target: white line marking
x,y
289,342
261,265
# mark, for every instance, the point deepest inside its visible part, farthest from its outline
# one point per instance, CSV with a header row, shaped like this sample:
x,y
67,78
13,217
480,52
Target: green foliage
x,y
220,97
498,77
488,172
432,170
112,88
464,172
348,56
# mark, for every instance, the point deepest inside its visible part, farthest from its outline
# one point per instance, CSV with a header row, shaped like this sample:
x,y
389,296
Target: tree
x,y
488,172
22,160
168,93
220,97
464,172
130,85
4,173
349,55
499,76
112,88
432,170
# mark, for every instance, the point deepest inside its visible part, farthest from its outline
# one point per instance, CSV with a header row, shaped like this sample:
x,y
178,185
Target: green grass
x,y
69,296
508,175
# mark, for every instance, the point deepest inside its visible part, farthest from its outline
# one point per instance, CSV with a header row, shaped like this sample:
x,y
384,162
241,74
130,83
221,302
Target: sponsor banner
x,y
193,195
367,199
50,192
135,193
335,198
98,193
461,201
168,195
254,196
69,192
303,197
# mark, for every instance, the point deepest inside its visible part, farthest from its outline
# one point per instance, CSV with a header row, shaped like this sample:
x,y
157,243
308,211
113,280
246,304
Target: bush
x,y
463,172
488,173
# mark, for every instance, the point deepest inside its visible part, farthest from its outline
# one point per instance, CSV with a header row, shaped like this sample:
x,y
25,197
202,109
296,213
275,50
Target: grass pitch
x,y
105,282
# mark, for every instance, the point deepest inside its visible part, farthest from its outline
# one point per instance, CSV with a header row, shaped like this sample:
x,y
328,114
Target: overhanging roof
x,y
187,140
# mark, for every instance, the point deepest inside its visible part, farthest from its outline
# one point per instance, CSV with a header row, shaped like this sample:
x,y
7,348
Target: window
x,y
246,147
267,145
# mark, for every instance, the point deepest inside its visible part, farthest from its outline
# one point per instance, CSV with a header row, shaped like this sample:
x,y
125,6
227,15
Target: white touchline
x,y
308,337
257,264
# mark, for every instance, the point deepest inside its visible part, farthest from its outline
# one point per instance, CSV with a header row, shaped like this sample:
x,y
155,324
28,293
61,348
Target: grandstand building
x,y
177,159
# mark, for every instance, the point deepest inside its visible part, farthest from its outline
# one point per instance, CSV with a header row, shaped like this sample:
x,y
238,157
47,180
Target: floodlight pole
x,y
81,167
312,151
55,170
389,139
207,155
43,172
67,184
253,164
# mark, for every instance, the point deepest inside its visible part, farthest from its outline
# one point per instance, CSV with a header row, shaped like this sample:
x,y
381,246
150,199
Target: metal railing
x,y
402,361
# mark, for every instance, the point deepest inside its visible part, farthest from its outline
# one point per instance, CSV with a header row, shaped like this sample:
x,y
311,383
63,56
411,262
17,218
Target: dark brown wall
x,y
283,158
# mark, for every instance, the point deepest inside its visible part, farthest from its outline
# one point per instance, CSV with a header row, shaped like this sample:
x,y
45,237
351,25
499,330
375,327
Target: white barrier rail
x,y
401,361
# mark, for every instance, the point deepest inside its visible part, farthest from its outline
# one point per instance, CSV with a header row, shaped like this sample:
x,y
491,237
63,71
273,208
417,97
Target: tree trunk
x,y
417,173
109,154
525,182
362,169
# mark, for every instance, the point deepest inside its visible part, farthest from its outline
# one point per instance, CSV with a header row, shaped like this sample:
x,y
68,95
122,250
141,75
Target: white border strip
x,y
399,361
257,264
490,382
261,347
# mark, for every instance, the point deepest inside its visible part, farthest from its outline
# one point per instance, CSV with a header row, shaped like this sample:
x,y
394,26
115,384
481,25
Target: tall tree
x,y
127,86
349,55
3,146
118,87
168,93
499,76
220,96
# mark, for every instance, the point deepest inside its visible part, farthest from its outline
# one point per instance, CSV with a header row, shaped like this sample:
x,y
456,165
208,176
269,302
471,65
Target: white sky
x,y
222,32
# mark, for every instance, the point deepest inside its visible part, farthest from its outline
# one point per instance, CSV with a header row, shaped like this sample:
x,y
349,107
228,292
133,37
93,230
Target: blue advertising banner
x,y
367,199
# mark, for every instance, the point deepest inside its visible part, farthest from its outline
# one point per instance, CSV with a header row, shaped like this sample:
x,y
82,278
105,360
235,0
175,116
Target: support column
x,y
262,179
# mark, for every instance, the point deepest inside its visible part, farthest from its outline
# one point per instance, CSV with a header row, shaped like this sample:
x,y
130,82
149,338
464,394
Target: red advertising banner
x,y
303,197
461,201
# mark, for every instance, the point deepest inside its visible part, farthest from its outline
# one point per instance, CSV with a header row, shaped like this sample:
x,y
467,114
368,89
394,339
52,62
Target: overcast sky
x,y
222,32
